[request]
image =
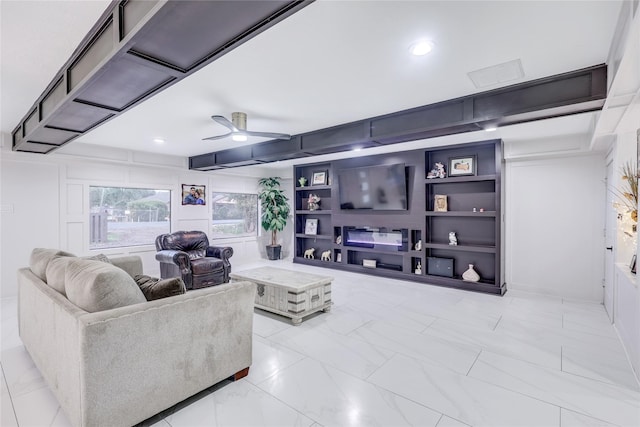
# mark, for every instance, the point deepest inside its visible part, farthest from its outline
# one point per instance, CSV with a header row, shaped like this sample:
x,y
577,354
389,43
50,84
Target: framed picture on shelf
x,y
439,203
311,226
193,194
462,166
632,264
319,178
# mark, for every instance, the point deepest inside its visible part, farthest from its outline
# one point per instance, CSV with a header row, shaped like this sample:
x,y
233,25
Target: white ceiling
x,y
331,63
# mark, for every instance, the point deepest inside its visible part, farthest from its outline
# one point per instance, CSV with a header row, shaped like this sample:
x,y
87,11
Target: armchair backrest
x,y
194,243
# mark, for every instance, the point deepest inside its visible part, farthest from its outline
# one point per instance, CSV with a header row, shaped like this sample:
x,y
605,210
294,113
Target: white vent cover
x,y
497,74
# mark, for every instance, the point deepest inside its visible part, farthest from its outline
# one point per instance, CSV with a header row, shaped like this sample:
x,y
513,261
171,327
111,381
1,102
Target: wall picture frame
x,y
440,203
193,194
319,177
311,226
463,165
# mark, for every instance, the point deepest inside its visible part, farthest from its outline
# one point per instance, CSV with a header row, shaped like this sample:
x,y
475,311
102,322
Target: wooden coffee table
x,y
293,294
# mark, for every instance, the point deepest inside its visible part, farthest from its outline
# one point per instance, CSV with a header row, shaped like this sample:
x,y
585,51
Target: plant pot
x,y
273,252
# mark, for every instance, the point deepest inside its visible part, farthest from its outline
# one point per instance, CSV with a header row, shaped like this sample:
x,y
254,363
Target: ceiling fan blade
x,y
268,134
211,138
225,122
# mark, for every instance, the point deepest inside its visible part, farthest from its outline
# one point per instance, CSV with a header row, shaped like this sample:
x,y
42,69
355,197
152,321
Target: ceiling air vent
x,y
497,74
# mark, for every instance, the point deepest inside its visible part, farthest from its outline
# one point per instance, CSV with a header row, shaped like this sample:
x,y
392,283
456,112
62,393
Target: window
x,y
127,216
234,215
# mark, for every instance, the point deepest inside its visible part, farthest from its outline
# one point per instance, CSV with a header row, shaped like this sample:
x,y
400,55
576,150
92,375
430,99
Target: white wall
x,y
554,222
44,202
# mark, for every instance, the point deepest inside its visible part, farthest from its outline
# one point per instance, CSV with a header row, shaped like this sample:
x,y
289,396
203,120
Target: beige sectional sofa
x,y
120,366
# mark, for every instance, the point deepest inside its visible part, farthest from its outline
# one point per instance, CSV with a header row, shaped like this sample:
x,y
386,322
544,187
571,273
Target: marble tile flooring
x,y
393,353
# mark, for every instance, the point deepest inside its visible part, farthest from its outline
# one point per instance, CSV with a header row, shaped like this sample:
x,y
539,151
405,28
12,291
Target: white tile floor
x,y
394,353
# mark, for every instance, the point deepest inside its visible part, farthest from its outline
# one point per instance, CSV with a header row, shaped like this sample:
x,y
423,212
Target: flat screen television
x,y
378,188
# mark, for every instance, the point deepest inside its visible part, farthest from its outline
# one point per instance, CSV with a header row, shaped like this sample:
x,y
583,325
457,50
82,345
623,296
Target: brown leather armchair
x,y
187,254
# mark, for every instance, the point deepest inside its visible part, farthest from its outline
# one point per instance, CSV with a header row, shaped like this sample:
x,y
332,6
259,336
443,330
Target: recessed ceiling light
x,y
239,137
491,128
158,140
421,47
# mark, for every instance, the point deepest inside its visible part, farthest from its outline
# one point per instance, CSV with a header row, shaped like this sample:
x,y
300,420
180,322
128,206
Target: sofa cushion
x,y
40,258
154,288
96,286
206,265
56,272
57,268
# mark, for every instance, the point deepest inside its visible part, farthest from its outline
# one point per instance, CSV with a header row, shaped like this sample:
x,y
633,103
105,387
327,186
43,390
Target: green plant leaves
x,y
275,206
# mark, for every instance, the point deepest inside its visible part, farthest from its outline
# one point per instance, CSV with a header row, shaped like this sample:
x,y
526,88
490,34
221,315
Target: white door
x,y
609,239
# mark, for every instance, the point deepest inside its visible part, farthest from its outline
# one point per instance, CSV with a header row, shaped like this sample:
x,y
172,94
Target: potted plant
x,y
275,212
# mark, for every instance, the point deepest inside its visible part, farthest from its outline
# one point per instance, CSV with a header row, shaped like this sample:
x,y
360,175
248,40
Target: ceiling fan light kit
x,y
238,129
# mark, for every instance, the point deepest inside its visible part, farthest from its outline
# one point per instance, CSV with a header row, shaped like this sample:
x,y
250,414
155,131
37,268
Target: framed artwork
x,y
319,178
193,194
461,166
311,226
632,264
439,203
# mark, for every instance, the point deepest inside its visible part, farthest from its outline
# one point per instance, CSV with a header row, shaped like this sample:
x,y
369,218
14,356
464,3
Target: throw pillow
x,y
154,288
40,258
96,286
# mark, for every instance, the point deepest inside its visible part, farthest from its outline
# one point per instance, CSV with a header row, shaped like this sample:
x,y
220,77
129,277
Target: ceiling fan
x,y
238,129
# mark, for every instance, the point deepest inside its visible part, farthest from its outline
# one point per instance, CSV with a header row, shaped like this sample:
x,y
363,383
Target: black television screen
x,y
381,187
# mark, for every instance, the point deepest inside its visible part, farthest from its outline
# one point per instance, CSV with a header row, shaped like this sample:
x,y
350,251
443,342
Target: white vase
x,y
470,275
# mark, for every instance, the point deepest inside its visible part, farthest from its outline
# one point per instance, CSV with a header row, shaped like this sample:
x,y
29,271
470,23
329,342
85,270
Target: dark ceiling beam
x,y
135,50
560,95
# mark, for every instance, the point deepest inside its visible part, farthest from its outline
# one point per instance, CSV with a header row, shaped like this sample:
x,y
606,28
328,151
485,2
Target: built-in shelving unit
x,y
473,209
414,234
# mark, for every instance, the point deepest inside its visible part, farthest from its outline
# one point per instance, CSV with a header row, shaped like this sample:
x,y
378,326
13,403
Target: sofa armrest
x,y
222,252
179,258
141,359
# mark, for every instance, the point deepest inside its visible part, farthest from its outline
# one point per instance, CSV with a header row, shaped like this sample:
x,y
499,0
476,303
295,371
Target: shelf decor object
x,y
462,166
440,203
302,181
311,226
314,202
453,240
437,171
418,269
471,275
369,263
319,178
